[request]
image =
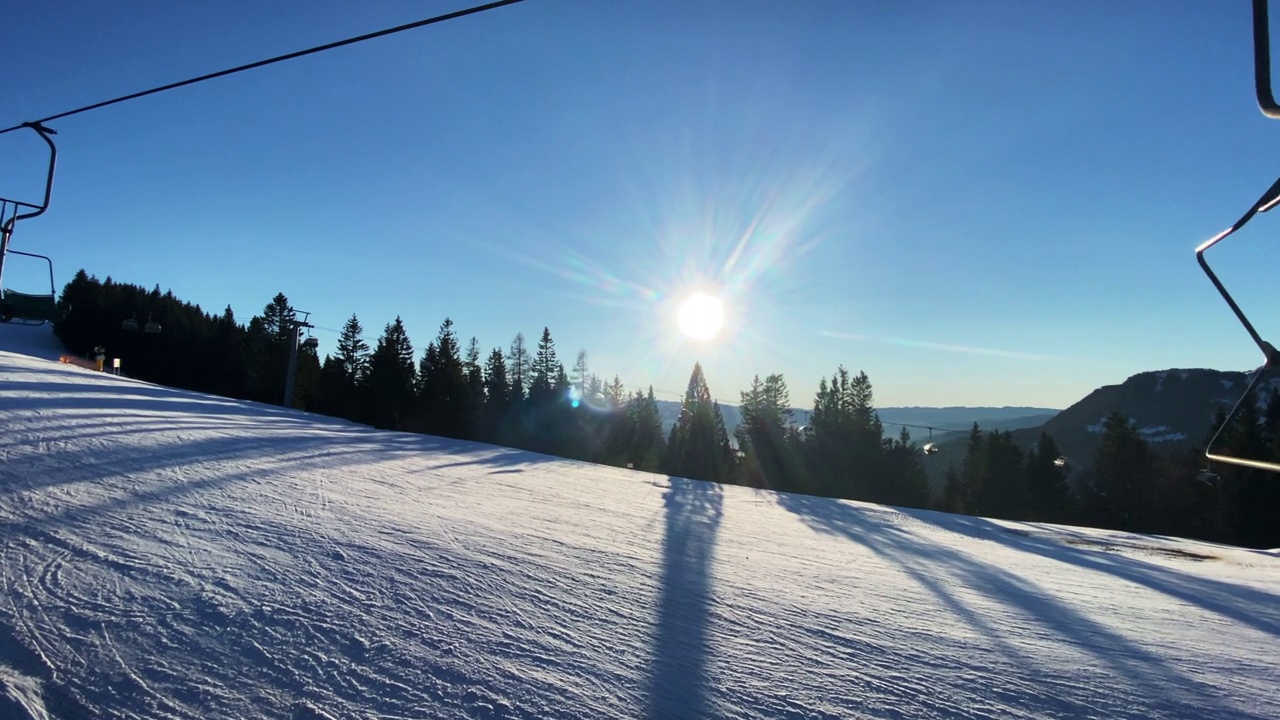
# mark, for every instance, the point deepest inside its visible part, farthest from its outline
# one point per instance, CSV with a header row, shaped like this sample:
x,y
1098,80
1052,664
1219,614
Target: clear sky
x,y
980,203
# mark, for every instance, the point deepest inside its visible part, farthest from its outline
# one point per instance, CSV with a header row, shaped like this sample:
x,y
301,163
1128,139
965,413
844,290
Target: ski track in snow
x,y
171,555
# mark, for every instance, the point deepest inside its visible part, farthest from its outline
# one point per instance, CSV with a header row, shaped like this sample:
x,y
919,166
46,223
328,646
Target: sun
x,y
701,316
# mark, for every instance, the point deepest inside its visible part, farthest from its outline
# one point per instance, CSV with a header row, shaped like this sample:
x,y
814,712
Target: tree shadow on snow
x,y
1256,608
679,673
1167,691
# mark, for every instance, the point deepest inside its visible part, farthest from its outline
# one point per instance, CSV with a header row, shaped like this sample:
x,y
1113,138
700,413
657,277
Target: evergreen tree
x,y
616,393
390,381
907,483
1256,493
1048,496
972,472
269,337
767,456
1002,491
497,390
225,350
519,369
353,351
341,377
475,389
1122,477
546,370
336,394
954,498
830,430
698,442
648,445
581,374
444,395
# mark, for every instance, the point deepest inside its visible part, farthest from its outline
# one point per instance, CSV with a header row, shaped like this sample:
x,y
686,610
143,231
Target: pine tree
x,y
546,369
698,443
616,393
648,445
830,457
1049,498
973,471
353,351
497,390
580,374
767,456
1257,492
1002,492
390,380
954,498
449,416
268,340
907,483
1122,477
519,369
475,390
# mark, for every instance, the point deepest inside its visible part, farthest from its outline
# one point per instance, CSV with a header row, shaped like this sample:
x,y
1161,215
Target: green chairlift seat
x,y
30,308
25,306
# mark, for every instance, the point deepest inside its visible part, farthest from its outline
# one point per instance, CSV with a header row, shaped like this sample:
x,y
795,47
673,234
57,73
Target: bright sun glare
x,y
701,316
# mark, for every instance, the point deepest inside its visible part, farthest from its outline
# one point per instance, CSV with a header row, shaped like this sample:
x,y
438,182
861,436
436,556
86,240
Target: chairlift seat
x,y
311,343
27,306
130,324
152,327
930,448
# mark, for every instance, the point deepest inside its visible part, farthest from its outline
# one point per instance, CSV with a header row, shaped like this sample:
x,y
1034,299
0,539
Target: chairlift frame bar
x,y
1262,60
6,228
53,289
1269,199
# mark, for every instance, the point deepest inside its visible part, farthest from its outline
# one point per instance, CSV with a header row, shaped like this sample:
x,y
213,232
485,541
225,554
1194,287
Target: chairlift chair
x,y
930,447
27,308
1269,199
131,324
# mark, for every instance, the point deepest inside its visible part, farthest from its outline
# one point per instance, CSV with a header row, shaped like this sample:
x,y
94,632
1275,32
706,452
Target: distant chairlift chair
x,y
27,308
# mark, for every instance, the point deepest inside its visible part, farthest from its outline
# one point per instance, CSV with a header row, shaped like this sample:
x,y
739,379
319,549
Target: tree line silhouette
x,y
525,398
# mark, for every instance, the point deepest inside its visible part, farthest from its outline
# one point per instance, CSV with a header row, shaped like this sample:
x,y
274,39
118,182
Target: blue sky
x,y
978,204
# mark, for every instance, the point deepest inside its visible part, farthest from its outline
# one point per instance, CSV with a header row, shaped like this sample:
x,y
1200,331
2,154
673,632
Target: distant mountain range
x,y
943,419
1172,409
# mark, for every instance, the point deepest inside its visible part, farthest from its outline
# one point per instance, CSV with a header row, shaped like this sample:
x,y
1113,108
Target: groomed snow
x,y
171,555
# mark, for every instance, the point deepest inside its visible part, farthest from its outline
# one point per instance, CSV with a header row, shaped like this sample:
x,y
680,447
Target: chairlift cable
x,y
270,61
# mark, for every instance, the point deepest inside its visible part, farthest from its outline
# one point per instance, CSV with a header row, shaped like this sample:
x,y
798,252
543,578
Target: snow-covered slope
x,y
166,554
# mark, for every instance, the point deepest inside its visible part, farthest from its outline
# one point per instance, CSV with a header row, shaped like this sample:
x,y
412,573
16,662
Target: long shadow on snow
x,y
1255,608
265,454
1171,693
679,675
